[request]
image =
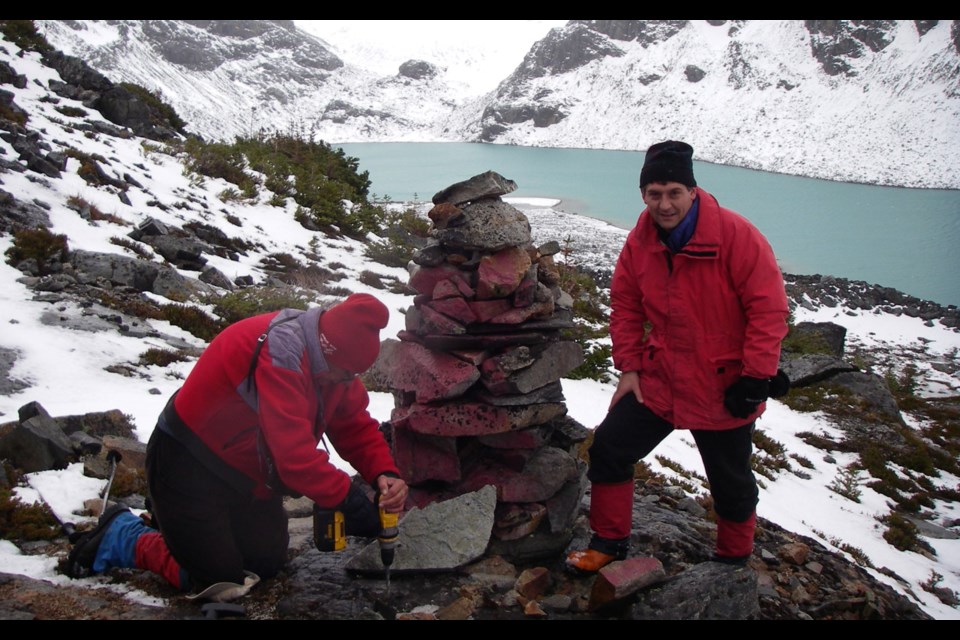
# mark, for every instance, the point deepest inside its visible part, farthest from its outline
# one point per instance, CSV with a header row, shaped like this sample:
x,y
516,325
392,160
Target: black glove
x,y
779,384
360,515
746,394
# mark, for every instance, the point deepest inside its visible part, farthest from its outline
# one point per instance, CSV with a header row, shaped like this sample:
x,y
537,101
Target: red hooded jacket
x,y
693,322
286,404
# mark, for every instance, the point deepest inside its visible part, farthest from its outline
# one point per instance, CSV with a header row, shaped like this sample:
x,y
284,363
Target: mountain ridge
x,y
871,101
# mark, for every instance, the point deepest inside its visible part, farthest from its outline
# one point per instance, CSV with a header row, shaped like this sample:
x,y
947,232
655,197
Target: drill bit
x,y
388,542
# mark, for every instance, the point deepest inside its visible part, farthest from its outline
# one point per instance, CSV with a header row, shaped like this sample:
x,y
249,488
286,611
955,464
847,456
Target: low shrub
x,y
162,357
245,303
40,245
903,534
847,483
192,320
22,522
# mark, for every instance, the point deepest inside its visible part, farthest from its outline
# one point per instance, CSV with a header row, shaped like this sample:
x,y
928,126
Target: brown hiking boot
x,y
599,553
589,560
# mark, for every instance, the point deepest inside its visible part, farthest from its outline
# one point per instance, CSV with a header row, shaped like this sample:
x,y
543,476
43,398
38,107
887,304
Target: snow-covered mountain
x,y
864,101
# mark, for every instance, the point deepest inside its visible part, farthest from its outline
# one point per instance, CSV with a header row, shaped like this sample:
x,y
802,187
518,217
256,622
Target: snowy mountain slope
x,y
237,77
863,101
757,94
72,370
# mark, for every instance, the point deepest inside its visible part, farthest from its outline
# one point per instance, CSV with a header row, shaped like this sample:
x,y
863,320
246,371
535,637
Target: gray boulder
x,y
489,225
707,591
36,442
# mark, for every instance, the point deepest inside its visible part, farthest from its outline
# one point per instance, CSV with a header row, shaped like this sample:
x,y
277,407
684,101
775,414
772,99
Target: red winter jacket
x,y
717,310
287,405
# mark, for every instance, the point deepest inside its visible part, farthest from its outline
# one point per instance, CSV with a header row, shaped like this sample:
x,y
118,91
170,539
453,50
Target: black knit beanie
x,y
669,161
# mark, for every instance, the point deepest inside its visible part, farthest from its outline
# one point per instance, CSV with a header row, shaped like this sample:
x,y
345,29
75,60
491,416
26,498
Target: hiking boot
x,y
589,561
84,552
598,554
737,561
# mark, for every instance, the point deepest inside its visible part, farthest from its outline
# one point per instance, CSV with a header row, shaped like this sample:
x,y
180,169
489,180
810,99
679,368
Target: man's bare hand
x,y
393,493
629,383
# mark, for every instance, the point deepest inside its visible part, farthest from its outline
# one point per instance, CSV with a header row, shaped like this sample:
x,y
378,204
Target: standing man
x,y
699,311
241,433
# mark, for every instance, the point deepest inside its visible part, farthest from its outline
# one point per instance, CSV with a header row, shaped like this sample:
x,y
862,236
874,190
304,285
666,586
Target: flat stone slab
x,y
440,537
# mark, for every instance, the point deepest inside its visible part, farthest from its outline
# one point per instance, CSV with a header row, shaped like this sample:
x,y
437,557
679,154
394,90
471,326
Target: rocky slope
x,y
238,77
789,578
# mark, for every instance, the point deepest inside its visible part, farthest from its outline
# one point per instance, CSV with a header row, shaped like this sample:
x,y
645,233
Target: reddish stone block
x,y
486,309
431,375
424,279
533,583
421,458
456,308
499,275
620,579
453,419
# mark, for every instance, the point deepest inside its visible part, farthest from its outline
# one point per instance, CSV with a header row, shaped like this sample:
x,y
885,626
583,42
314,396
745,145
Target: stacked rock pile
x,y
476,371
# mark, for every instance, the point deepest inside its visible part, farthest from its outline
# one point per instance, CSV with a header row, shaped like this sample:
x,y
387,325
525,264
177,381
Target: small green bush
x,y
229,195
857,554
596,364
20,521
24,34
282,262
804,343
139,306
194,321
218,160
71,112
162,357
41,245
403,233
313,277
371,279
135,247
245,303
903,534
162,113
847,483
92,212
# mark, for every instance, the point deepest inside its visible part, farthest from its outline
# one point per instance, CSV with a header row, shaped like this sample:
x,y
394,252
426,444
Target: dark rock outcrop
x,y
116,103
834,42
418,70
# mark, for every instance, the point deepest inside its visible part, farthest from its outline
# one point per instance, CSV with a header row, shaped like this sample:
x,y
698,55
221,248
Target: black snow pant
x,y
213,530
631,431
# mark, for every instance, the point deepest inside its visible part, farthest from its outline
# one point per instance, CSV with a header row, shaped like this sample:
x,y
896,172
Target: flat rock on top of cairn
x,y
485,185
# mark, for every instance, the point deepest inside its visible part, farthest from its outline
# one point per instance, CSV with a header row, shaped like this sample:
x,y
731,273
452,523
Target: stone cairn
x,y
476,371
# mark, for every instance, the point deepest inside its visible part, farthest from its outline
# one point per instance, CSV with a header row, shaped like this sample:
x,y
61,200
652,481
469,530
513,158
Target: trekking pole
x,y
114,458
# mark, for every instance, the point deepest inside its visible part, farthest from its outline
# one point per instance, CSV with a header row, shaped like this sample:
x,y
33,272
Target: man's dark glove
x,y
744,396
360,515
779,384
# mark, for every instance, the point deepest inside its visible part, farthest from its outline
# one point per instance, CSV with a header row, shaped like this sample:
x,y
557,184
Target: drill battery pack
x,y
329,530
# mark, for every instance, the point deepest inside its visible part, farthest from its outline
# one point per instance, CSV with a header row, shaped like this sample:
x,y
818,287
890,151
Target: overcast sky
x,y
479,53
